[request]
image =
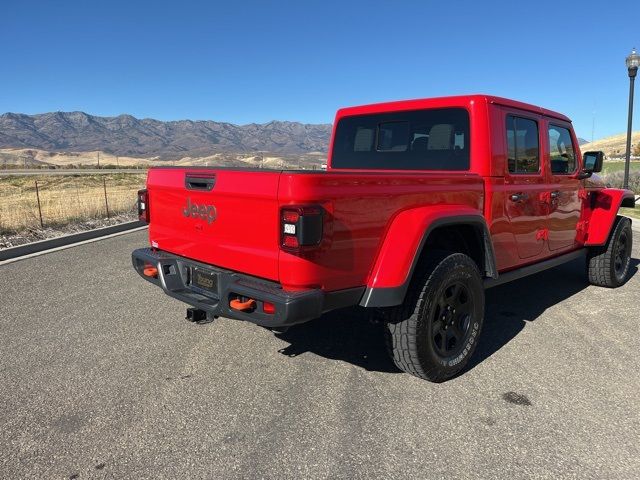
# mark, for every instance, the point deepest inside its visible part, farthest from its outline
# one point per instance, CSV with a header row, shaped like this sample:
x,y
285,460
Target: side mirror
x,y
592,162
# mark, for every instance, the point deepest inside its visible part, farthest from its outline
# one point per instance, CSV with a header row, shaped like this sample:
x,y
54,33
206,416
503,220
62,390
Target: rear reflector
x,y
268,307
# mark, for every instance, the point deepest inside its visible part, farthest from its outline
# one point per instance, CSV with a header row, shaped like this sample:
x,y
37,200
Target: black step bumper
x,y
175,277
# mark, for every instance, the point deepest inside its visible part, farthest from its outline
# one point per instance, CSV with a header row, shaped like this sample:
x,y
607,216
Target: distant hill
x,y
614,146
125,135
61,138
33,158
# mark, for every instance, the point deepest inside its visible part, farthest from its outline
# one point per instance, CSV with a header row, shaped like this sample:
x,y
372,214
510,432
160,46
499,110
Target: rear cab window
x,y
433,139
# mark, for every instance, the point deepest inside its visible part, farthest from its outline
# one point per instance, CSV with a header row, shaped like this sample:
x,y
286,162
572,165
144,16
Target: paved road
x,y
101,378
75,171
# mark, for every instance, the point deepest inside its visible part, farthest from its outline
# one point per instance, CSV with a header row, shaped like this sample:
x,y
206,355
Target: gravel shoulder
x,y
36,234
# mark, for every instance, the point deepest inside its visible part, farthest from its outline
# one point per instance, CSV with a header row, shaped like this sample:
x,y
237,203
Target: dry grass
x,y
631,212
64,199
613,146
11,158
33,157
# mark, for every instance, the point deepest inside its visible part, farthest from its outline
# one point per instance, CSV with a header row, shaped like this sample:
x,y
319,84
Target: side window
x,y
523,149
562,156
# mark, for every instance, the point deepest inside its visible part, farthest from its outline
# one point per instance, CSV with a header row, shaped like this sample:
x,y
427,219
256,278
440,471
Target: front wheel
x,y
434,333
608,266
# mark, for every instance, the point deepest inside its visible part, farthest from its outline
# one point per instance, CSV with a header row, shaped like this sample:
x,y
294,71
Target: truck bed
x,y
230,218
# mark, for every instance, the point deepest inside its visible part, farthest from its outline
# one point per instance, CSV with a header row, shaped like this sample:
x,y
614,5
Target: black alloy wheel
x,y
452,320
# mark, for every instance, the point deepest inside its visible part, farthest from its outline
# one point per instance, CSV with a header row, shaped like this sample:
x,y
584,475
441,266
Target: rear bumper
x,y
175,274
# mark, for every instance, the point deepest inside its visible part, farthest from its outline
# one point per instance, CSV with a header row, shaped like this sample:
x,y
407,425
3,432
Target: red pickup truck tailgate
x,y
227,218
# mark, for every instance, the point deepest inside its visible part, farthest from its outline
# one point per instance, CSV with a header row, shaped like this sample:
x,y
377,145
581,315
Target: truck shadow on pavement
x,y
510,306
348,336
345,335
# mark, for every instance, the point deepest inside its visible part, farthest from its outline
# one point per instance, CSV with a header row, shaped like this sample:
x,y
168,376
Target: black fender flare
x,y
392,296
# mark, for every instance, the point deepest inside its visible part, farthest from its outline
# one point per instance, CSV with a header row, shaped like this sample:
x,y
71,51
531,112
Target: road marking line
x,y
63,247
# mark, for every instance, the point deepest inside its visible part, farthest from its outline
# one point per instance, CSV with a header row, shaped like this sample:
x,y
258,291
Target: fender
x,y
403,243
604,209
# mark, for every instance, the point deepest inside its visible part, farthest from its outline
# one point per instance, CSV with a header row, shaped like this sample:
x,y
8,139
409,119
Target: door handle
x,y
199,182
518,197
555,194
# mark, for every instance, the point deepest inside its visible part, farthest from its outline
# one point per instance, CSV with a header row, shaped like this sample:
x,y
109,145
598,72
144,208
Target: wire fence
x,y
48,201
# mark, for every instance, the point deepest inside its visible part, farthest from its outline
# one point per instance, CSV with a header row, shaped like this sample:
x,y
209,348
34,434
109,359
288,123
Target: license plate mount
x,y
204,281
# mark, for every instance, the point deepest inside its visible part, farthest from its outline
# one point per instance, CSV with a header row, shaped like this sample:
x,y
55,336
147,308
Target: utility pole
x,y
633,62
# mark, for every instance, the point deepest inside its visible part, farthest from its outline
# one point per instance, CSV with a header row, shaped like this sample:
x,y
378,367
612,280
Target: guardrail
x,y
35,247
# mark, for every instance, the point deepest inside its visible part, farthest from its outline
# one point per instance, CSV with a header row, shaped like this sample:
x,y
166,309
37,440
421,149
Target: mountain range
x,y
129,136
167,140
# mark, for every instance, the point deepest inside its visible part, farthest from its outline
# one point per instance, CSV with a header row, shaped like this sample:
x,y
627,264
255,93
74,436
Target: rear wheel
x,y
608,266
434,333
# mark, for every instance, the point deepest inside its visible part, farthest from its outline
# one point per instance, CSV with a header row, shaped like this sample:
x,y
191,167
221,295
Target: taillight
x,y
143,205
290,241
290,216
300,226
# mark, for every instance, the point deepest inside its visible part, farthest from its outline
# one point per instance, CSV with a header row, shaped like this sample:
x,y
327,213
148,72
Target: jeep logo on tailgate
x,y
202,211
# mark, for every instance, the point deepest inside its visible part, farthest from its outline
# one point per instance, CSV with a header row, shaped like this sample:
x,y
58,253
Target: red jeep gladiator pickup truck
x,y
424,204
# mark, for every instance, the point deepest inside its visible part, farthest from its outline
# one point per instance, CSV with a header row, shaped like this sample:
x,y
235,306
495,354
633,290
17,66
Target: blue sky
x,y
244,62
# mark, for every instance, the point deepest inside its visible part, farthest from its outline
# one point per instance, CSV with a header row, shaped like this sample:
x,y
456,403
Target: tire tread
x,y
599,259
403,321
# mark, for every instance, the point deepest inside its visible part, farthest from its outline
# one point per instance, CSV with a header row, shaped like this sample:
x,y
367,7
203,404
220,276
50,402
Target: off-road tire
x,y
410,327
608,266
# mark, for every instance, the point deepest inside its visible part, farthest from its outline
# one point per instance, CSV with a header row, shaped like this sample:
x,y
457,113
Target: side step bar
x,y
535,268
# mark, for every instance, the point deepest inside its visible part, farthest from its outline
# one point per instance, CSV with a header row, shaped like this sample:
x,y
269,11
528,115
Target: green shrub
x,y
616,179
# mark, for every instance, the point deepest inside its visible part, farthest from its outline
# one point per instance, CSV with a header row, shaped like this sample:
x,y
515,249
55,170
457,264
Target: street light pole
x,y
632,61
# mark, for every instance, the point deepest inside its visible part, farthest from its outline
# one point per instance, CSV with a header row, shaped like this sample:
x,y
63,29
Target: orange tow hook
x,y
150,271
238,304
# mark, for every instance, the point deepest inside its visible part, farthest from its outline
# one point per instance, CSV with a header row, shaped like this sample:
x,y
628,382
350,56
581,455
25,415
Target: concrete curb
x,y
35,247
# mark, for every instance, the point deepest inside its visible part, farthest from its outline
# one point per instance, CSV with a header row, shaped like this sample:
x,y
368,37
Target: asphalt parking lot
x,y
100,377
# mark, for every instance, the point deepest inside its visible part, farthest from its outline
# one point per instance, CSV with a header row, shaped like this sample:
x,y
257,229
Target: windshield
x,y
435,139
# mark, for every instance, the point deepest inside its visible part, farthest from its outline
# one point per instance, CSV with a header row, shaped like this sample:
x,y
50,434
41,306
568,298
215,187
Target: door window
x,y
523,148
561,152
